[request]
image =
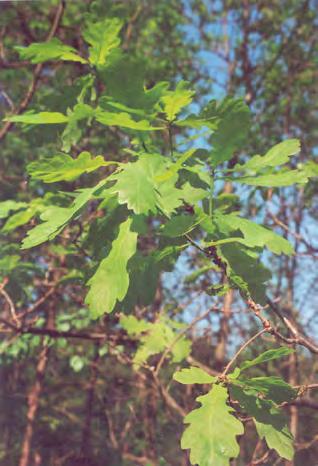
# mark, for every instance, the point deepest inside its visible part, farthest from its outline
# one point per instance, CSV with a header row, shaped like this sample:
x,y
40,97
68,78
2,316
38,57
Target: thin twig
x,y
242,348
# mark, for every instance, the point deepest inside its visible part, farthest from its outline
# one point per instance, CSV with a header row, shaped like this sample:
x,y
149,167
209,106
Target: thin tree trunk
x,y
33,404
86,433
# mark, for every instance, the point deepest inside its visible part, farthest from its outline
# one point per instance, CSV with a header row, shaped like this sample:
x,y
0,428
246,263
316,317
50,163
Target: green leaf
x,y
54,49
246,272
270,422
174,101
254,235
232,129
211,435
277,155
55,218
42,118
175,167
179,225
158,336
6,207
124,79
267,356
193,375
136,187
134,326
123,120
274,388
279,440
73,132
62,167
103,39
77,363
276,179
110,282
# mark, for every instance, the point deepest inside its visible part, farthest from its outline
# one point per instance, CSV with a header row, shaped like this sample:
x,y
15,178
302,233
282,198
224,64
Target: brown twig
x,y
36,74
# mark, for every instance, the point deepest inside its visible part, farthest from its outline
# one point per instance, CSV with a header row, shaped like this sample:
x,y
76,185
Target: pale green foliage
x,y
211,435
51,50
10,206
111,280
277,179
55,218
277,155
135,186
62,167
175,101
103,38
156,337
123,120
193,375
42,118
254,235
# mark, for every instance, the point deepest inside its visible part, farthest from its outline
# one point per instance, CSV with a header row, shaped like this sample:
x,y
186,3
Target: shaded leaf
x,y
110,282
267,356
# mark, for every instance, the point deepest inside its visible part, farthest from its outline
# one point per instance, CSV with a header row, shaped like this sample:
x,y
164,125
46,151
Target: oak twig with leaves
x,y
161,192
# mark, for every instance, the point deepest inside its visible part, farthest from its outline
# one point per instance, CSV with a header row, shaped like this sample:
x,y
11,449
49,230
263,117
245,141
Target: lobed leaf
x,y
54,49
193,375
110,282
211,435
62,167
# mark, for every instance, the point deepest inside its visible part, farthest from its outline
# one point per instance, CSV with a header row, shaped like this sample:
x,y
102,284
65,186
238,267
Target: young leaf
x,y
211,435
6,207
72,132
174,101
134,326
103,39
279,440
136,187
42,118
267,356
193,375
40,52
62,167
55,218
277,155
157,337
254,235
110,282
276,179
123,120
